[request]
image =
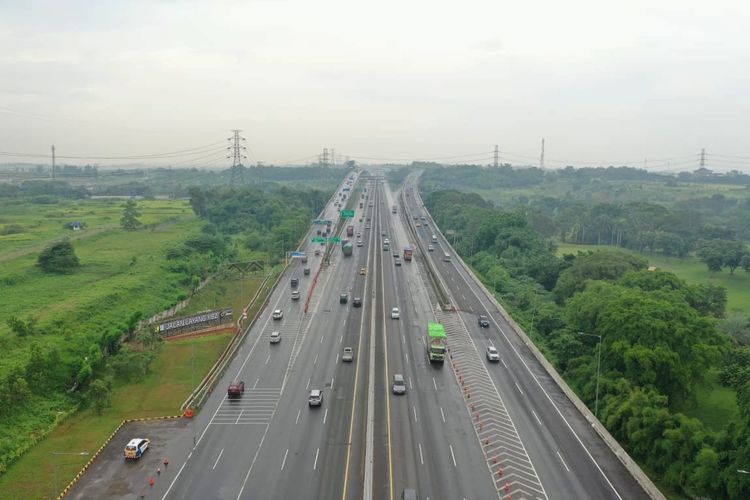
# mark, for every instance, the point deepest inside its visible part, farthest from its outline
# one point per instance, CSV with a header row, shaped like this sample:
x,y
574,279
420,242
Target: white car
x,y
492,354
275,337
430,248
277,314
395,313
359,243
295,295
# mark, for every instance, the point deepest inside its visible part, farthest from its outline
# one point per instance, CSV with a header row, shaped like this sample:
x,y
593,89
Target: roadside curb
x,y
83,470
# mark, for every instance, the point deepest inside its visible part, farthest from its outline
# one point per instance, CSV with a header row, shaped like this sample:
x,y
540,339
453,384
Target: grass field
x,y
689,269
160,392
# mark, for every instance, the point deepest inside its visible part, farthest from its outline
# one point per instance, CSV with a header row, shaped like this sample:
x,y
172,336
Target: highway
x,y
463,429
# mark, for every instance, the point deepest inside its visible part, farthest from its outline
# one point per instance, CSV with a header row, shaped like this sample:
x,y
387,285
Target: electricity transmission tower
x,y
238,170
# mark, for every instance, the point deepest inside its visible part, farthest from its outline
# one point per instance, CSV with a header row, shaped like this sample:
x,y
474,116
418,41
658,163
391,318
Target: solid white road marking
x,y
434,383
315,465
519,388
256,383
337,359
501,359
407,357
411,386
308,384
442,414
296,420
341,339
453,456
415,413
284,461
321,338
537,418
331,383
563,461
268,359
421,458
315,361
217,459
325,415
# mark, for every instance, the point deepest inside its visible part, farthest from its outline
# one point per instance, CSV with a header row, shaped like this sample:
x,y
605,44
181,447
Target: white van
x,y
446,257
434,238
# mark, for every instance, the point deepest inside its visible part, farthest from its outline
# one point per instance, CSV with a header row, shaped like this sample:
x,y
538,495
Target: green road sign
x,y
335,239
347,214
318,239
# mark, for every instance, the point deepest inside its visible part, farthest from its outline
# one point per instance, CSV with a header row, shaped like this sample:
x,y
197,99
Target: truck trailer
x,y
408,251
436,342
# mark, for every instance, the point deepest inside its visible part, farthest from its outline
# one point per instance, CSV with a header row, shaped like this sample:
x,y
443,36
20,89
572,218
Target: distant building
x,y
76,225
704,172
652,268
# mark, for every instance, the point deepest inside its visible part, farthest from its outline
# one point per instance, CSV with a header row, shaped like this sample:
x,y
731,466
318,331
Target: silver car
x,y
492,354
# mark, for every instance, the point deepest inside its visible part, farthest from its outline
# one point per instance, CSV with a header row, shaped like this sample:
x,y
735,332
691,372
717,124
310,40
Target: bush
x,y
58,258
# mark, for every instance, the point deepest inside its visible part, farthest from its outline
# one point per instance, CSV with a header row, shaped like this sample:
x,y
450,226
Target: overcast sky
x,y
604,82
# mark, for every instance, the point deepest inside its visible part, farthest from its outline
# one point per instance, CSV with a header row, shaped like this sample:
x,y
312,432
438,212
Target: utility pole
x,y
541,157
53,161
237,157
497,157
703,158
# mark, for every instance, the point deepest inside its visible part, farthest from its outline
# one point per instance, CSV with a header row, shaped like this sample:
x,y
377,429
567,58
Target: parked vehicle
x,y
136,448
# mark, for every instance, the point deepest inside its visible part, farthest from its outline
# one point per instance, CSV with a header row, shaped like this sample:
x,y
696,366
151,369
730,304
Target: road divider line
x,y
434,383
325,416
421,458
315,465
331,384
218,458
268,359
297,419
411,386
315,361
506,366
453,456
308,383
256,383
563,461
518,387
283,462
442,414
536,417
415,413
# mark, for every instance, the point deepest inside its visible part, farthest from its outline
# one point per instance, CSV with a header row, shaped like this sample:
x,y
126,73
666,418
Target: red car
x,y
236,388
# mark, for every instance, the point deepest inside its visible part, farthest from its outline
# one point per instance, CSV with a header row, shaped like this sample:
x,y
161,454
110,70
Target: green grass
x,y
715,404
160,392
689,269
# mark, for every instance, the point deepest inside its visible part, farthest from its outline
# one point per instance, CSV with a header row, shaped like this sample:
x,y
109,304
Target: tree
x,y
58,258
710,253
722,253
198,201
737,326
130,216
604,265
745,263
100,394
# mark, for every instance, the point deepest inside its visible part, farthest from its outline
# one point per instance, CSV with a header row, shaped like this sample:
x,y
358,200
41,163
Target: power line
x,y
170,154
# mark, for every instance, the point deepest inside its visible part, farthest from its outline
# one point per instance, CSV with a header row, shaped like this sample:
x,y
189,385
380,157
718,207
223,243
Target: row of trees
x,y
659,340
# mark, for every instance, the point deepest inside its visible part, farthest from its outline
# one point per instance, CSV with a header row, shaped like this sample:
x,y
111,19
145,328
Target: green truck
x,y
346,248
436,342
